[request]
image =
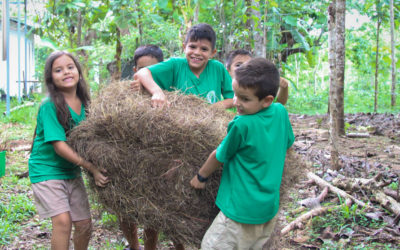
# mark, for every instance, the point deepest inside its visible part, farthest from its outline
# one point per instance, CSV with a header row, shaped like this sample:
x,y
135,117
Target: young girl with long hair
x,y
54,167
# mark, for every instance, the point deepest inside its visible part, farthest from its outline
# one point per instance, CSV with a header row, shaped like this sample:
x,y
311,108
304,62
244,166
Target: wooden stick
x,y
391,192
294,224
336,190
387,202
358,135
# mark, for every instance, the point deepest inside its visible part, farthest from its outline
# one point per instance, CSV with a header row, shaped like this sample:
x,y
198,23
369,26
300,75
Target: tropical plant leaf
x,y
298,37
45,42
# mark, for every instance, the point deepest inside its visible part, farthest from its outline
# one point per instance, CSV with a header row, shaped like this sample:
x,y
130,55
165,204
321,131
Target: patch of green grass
x,y
17,132
15,204
343,219
108,220
12,183
24,115
20,124
14,209
111,244
394,185
16,163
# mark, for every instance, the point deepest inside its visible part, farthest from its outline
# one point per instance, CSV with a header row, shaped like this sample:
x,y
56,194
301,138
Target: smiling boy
x,y
238,57
253,153
195,74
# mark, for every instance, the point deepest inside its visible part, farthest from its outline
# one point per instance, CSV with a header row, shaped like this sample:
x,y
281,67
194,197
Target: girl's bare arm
x,y
66,152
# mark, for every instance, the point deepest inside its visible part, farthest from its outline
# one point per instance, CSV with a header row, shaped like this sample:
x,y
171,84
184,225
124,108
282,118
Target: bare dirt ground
x,y
377,155
360,158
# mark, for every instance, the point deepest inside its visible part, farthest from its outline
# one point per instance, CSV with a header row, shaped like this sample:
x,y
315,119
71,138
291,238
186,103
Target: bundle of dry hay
x,y
151,155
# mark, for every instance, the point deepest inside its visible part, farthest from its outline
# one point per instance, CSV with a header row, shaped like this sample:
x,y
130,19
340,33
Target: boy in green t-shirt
x,y
253,153
145,55
195,74
237,57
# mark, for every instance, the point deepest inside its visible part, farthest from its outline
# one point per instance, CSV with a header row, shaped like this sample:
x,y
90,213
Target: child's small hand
x,y
135,85
158,100
283,83
196,183
99,178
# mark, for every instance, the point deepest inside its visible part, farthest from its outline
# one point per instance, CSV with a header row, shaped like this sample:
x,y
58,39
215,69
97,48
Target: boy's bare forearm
x,y
283,92
210,165
146,79
227,103
205,171
158,98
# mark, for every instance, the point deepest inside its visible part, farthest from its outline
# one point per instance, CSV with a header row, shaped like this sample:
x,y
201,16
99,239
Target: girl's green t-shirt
x,y
44,162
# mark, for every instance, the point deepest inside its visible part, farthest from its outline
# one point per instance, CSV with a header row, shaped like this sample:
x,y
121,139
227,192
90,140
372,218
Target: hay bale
x,y
151,155
295,169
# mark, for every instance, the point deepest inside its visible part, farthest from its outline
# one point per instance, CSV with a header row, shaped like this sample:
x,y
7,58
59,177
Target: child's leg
x,y
219,235
150,239
61,231
80,212
267,232
178,246
129,230
83,230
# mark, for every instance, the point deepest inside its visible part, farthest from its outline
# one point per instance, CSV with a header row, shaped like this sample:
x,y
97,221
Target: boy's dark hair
x,y
201,31
233,54
148,50
259,74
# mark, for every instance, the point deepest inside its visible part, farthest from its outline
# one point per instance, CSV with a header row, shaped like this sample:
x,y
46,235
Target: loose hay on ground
x,y
151,155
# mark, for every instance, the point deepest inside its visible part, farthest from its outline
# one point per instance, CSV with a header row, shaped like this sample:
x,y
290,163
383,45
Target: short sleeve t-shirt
x,y
44,162
175,74
253,153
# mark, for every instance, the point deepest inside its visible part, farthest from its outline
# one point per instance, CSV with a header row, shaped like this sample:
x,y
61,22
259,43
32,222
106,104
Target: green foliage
x,y
306,101
394,185
288,30
342,219
109,220
110,244
14,209
24,115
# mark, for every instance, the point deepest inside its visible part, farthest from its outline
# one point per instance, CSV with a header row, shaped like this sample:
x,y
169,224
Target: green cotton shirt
x,y
253,153
213,84
44,162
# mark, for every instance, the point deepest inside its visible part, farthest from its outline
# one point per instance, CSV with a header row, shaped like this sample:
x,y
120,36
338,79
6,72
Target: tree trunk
x,y
257,29
392,42
378,26
225,44
333,99
265,29
340,61
118,51
139,41
79,30
228,43
82,53
196,12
